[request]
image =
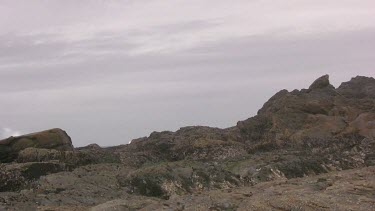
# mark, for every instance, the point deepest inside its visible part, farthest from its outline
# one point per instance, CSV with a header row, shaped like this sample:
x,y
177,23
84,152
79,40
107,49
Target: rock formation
x,y
295,154
50,139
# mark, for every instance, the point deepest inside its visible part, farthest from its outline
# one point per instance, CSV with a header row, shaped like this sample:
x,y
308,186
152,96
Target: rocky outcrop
x,y
296,134
321,83
192,143
320,112
358,87
303,132
42,153
56,139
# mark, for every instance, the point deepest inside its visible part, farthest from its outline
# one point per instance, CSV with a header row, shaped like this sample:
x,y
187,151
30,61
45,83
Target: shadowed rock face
x,y
316,131
50,139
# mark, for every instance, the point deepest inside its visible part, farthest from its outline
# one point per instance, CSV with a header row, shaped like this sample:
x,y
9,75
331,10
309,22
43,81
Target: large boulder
x,y
50,139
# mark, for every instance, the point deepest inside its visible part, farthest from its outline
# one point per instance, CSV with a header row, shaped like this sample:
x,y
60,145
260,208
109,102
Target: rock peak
x,y
358,87
321,82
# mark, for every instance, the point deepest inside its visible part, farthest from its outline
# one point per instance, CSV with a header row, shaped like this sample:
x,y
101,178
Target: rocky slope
x,y
295,154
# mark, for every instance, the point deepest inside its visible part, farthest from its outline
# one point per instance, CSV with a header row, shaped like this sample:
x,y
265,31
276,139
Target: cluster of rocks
x,y
308,132
26,158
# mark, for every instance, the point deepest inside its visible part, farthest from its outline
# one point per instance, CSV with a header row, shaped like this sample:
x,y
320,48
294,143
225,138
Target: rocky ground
x,y
309,149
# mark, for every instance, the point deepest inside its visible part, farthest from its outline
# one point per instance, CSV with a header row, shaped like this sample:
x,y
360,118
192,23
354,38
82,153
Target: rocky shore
x,y
309,149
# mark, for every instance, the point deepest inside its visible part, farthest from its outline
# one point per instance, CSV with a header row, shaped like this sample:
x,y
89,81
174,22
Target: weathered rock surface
x,y
14,177
50,139
343,190
358,87
78,157
295,154
176,178
346,190
192,143
317,113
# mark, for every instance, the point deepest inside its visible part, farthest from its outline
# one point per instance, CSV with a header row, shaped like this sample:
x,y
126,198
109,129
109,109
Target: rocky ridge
x,y
295,136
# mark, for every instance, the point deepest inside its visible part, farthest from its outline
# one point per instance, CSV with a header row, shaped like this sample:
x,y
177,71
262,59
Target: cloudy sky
x,y
108,71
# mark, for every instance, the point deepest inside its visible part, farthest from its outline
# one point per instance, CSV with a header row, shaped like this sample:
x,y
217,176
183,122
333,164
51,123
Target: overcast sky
x,y
109,71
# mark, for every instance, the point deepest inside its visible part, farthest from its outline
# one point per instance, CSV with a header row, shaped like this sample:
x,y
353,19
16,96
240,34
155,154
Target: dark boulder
x,y
50,139
320,83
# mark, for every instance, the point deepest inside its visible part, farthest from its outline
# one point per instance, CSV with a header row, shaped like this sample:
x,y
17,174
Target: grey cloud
x,y
6,132
246,57
106,88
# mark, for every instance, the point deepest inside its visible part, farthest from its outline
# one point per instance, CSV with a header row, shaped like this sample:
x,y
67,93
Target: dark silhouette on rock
x,y
321,83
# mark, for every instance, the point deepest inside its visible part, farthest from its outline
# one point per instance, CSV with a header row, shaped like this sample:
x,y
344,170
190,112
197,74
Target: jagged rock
x,y
297,134
320,113
358,87
321,83
50,139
